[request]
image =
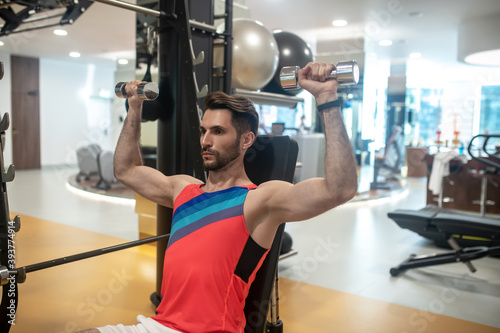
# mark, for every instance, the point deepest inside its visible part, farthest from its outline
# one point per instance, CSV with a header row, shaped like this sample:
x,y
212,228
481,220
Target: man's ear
x,y
247,140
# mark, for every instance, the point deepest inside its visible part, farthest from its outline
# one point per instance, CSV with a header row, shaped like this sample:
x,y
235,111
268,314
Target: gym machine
x,y
471,236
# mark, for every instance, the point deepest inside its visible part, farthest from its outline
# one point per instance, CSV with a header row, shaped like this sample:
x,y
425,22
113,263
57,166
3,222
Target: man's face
x,y
220,144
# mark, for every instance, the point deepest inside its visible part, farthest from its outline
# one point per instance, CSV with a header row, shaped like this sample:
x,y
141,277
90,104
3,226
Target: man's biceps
x,y
284,196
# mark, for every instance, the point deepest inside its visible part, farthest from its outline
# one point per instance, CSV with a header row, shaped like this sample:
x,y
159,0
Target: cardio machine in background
x,y
470,235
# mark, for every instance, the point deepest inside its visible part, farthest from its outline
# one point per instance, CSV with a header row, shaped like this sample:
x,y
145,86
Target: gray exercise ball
x,y
255,54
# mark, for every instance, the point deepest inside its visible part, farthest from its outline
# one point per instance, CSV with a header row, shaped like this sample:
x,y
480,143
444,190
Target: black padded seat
x,y
421,222
469,230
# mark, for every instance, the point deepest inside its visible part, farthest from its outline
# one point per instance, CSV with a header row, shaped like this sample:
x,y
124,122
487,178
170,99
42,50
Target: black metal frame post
x,y
228,47
178,126
167,124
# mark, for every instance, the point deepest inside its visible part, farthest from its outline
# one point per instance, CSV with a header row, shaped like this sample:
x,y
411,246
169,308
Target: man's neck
x,y
226,178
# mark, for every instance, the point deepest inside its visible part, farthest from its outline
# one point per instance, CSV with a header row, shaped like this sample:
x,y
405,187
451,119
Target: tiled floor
x,y
349,249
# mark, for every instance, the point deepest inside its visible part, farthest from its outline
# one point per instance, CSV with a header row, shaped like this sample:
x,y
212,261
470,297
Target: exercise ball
x,y
255,54
293,51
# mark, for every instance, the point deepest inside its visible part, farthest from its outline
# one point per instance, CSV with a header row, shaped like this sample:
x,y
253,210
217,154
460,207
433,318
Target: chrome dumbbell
x,y
346,72
145,90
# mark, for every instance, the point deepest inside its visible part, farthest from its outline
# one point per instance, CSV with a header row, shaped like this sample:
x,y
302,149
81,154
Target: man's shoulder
x,y
180,182
273,185
185,179
267,189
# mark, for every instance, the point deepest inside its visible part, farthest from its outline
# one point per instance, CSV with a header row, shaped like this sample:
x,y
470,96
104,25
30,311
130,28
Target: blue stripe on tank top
x,y
209,219
210,206
205,199
206,204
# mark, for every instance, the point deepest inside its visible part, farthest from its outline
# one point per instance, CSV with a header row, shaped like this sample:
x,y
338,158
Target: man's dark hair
x,y
244,116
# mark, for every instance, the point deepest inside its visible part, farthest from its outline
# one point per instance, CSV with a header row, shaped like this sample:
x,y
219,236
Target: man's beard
x,y
221,160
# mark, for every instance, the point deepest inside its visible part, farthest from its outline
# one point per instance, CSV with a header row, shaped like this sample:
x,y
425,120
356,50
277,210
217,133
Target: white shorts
x,y
145,325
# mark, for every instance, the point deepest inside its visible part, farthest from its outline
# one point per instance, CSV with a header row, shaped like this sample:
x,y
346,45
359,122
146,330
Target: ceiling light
x,y
486,58
122,61
74,54
60,32
1,43
415,55
478,42
385,42
339,23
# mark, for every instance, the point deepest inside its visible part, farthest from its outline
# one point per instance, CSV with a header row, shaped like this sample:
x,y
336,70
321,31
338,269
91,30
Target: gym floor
x,y
338,282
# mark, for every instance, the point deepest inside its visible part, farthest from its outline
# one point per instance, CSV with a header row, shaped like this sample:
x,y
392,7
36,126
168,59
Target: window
x,y
489,118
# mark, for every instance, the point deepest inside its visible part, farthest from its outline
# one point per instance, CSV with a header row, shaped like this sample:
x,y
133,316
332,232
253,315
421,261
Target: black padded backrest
x,y
468,225
270,158
412,219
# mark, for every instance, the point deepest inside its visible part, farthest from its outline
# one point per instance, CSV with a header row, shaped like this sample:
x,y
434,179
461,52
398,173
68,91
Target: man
x,y
222,229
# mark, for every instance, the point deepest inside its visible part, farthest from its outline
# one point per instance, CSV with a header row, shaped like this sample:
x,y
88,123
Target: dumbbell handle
x,y
346,72
145,90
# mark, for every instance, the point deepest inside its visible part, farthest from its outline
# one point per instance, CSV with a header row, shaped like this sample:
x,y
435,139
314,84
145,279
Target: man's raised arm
x,y
128,166
127,152
340,164
311,197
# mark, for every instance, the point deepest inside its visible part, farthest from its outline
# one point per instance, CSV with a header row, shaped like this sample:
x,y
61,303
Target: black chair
x,y
270,158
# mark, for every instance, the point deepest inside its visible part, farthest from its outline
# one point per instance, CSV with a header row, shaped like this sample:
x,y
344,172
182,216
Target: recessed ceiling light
x,y
74,54
385,42
339,23
122,61
1,43
415,55
486,58
60,32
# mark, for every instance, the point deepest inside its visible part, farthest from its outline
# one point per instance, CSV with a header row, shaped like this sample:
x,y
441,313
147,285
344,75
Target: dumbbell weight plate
x,y
289,78
147,90
347,72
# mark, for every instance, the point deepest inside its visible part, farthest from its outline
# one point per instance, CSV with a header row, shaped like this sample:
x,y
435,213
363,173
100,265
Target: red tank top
x,y
210,262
